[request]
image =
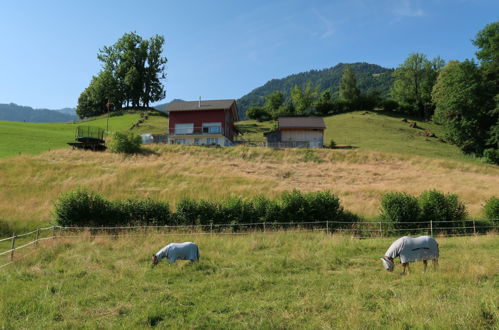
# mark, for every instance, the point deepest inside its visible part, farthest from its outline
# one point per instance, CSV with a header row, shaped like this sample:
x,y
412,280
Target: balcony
x,y
196,130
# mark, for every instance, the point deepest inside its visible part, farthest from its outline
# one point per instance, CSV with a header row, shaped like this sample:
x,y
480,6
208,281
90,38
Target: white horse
x,y
176,251
411,249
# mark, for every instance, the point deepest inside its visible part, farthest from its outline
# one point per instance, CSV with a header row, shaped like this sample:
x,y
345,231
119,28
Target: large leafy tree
x,y
487,40
132,73
461,106
348,86
413,84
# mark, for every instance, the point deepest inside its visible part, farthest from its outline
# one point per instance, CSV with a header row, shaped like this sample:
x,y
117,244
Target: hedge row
x,y
406,211
84,208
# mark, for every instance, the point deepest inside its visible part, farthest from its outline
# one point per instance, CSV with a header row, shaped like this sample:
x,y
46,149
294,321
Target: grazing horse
x,y
411,249
174,251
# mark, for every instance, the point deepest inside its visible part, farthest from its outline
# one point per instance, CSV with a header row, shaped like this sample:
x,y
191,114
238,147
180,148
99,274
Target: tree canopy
x,y
131,76
413,83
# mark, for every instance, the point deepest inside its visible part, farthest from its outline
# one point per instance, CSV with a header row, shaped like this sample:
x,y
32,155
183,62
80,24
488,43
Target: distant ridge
x,y
162,107
370,77
14,112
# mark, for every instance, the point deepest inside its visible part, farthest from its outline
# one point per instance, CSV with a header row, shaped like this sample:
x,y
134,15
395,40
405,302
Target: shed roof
x,y
301,122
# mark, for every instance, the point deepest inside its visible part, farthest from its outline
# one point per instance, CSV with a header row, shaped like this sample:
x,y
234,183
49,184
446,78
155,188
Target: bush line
x,y
83,208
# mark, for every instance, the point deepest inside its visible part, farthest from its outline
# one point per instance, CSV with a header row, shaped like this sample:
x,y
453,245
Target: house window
x,y
212,128
179,141
184,128
197,141
212,140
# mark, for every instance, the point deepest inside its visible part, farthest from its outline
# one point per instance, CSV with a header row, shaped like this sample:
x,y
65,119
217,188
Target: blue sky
x,y
223,49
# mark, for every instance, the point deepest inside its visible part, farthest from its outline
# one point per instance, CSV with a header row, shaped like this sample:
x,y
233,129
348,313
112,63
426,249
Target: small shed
x,y
297,132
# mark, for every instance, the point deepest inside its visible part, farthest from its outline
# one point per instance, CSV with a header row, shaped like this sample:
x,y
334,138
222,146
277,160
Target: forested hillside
x,y
370,78
14,112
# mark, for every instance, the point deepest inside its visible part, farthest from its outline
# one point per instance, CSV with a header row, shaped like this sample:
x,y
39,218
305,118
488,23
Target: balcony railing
x,y
196,130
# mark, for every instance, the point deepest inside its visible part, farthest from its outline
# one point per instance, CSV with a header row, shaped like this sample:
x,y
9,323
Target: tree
x,y
303,100
459,98
137,68
413,84
488,41
324,104
102,89
258,113
348,86
273,102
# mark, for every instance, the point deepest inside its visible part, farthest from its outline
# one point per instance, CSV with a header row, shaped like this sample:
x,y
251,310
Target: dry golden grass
x,y
30,184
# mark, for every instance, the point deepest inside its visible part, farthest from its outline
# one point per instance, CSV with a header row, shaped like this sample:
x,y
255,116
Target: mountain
x,y
67,111
14,112
370,77
163,106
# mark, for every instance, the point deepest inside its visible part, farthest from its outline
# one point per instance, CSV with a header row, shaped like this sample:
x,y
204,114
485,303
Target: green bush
x,y
192,212
83,208
323,206
266,210
491,156
401,209
5,229
294,207
491,208
440,207
127,143
390,105
237,210
145,212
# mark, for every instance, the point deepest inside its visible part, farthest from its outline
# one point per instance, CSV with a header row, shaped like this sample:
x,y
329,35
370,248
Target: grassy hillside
x,y
374,131
270,281
169,173
30,138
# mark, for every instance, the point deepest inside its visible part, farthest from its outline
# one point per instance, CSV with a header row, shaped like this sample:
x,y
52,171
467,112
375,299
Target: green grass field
x,y
365,130
33,138
270,281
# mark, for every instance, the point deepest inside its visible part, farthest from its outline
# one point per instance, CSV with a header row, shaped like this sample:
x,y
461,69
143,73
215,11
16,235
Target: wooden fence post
x,y
211,228
37,236
380,229
431,227
264,227
13,246
327,227
53,232
474,228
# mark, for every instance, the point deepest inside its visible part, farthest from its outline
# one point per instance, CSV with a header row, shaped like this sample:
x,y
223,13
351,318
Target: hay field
x,y
31,183
272,280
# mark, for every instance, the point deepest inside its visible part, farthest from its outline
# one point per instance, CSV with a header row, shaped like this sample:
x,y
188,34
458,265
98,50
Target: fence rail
x,y
361,230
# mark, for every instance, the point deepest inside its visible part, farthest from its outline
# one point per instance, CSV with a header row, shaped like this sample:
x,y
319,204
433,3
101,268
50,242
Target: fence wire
x,y
360,230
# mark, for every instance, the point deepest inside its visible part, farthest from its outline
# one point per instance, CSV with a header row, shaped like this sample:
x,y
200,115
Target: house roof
x,y
301,122
203,105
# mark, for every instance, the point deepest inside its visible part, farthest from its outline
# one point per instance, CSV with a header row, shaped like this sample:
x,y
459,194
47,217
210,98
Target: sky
x,y
223,49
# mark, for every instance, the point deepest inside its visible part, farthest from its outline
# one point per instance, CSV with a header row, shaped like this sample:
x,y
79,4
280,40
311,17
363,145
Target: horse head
x,y
389,265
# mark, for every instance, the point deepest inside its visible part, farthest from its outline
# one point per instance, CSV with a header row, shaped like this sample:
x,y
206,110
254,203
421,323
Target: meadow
x,y
33,138
31,183
260,280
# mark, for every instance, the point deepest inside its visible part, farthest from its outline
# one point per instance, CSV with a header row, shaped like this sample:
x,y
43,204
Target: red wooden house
x,y
202,122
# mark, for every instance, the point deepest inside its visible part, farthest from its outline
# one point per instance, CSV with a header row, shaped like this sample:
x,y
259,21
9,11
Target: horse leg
x,y
435,264
405,267
425,264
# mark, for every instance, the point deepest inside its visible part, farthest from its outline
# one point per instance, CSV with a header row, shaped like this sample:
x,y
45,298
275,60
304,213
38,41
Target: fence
x,y
361,230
